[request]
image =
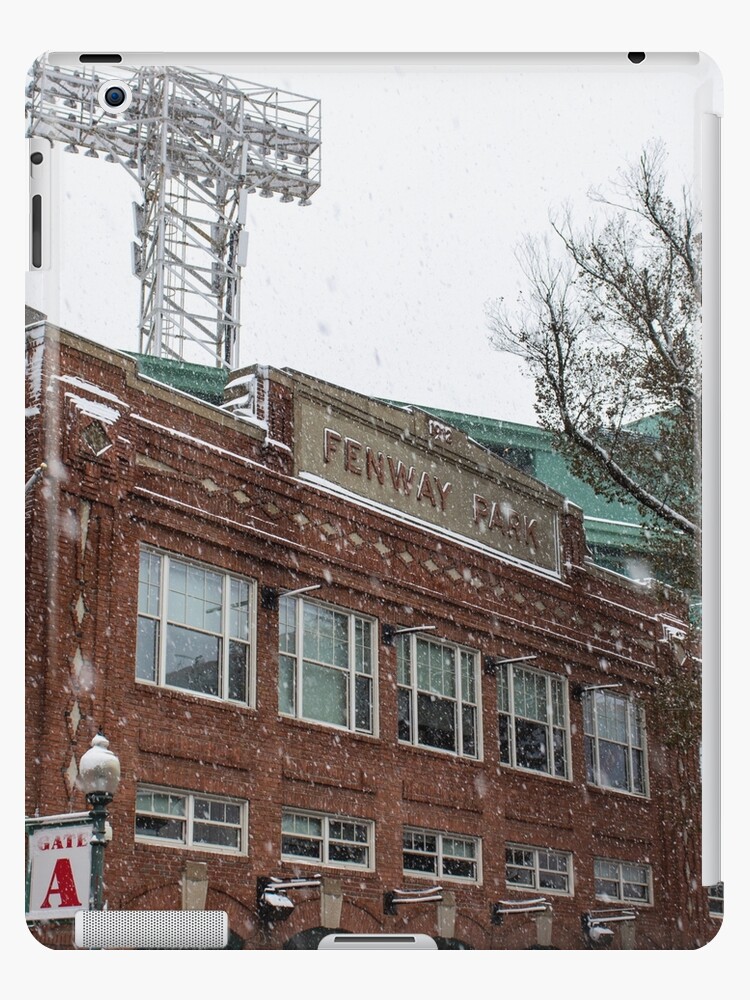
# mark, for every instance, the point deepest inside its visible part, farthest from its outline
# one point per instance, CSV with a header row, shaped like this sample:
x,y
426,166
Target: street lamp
x,y
99,771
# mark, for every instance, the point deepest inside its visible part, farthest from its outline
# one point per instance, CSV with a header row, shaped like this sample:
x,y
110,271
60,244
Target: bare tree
x,y
609,327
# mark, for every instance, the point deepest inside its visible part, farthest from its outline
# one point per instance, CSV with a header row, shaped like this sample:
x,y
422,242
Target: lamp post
x,y
100,776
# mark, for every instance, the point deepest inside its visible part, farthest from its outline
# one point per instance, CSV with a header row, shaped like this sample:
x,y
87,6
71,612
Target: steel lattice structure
x,y
197,143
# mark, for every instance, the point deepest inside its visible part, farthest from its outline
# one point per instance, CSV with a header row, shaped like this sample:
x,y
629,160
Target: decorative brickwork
x,y
134,464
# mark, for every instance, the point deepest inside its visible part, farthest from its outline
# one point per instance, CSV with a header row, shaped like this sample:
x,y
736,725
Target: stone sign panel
x,y
409,463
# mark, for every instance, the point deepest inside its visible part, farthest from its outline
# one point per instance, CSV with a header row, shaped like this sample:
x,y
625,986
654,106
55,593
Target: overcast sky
x,y
430,177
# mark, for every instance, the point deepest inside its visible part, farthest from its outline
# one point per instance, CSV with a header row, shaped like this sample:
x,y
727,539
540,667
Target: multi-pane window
x,y
533,720
190,819
538,868
194,627
327,840
622,882
326,665
444,855
615,741
438,695
716,900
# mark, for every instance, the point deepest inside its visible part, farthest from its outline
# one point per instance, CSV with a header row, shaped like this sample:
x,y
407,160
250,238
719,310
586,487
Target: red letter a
x,y
65,887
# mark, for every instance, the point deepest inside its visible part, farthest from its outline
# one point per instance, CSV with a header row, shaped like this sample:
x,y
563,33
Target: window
x,y
538,868
190,819
326,840
438,695
326,665
442,855
615,741
194,627
533,720
716,900
622,882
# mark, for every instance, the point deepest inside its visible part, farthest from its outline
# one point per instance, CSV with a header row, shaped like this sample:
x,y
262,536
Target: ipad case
x,y
372,549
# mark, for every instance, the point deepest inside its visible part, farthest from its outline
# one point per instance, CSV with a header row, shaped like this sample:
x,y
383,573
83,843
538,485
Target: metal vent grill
x,y
180,929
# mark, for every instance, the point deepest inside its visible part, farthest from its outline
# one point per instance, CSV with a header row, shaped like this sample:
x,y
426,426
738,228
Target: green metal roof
x,y
613,529
533,450
196,380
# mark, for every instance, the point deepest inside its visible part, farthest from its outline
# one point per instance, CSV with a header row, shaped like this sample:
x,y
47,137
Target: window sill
x,y
445,754
180,694
628,904
438,880
535,893
525,773
167,846
604,790
352,870
322,727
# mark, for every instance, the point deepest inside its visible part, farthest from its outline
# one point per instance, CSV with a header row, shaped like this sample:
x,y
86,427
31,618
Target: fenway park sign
x,y
430,473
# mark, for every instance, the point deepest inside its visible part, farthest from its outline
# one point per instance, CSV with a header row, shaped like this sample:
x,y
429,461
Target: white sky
x,y
430,177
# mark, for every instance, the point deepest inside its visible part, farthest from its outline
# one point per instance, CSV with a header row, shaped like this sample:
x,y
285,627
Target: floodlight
x,y
227,142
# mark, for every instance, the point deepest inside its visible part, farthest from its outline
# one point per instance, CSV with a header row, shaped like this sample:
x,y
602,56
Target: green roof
x,y
532,449
613,529
196,380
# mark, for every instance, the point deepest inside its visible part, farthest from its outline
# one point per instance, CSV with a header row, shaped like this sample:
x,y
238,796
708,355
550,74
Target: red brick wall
x,y
149,487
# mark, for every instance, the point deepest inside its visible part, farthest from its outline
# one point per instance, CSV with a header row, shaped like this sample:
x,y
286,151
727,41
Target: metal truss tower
x,y
198,144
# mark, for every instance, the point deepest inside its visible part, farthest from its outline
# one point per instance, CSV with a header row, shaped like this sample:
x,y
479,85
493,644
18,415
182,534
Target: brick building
x,y
328,636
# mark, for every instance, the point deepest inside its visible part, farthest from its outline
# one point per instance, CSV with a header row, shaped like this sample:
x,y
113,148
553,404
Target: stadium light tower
x,y
198,144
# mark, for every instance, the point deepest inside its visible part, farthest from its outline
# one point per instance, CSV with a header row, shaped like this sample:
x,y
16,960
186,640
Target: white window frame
x,y
325,840
350,671
537,870
440,855
190,820
635,716
162,620
508,671
621,898
414,691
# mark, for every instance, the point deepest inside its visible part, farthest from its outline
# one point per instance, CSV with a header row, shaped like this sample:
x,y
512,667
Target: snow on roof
x,y
95,390
99,411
